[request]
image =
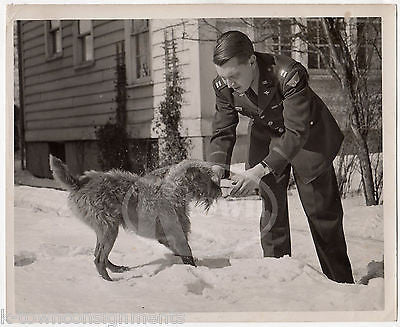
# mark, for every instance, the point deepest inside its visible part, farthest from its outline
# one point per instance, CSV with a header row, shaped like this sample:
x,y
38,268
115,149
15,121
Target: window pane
x,y
84,26
312,30
142,67
286,33
141,54
55,24
142,43
88,47
55,45
53,42
315,37
58,41
312,60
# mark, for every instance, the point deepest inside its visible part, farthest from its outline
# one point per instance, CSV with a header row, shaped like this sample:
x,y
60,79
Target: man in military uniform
x,y
290,127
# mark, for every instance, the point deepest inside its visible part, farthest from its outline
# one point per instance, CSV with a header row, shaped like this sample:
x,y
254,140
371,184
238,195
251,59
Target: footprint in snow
x,y
24,258
198,287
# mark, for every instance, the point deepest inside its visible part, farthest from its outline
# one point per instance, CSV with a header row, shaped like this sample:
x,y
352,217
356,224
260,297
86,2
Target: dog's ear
x,y
191,173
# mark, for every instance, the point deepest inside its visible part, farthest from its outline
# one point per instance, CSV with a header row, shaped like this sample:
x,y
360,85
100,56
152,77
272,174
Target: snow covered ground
x,y
54,270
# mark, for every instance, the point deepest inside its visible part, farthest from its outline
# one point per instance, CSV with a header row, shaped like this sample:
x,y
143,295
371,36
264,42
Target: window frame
x,y
130,54
365,47
48,31
78,40
319,70
280,44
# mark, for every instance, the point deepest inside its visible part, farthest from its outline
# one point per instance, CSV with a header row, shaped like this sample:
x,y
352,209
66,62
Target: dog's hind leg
x,y
109,264
105,242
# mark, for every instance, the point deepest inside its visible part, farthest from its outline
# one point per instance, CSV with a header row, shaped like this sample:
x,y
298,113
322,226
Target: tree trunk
x,y
365,165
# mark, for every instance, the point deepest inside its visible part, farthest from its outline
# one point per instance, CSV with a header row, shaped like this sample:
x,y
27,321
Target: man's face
x,y
237,76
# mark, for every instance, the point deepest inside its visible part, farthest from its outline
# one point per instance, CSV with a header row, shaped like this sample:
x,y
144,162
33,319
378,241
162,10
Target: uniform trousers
x,y
322,204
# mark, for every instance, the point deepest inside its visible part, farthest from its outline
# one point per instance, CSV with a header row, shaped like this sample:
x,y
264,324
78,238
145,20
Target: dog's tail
x,y
62,175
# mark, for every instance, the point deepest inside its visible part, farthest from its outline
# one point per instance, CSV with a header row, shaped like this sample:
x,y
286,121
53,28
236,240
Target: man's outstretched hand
x,y
246,182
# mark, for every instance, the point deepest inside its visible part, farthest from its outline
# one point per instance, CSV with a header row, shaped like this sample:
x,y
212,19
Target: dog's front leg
x,y
173,236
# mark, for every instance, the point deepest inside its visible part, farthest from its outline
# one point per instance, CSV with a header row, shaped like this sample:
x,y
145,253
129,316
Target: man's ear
x,y
252,59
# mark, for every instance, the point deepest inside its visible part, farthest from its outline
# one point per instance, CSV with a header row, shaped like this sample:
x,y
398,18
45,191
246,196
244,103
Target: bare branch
x,y
204,20
247,23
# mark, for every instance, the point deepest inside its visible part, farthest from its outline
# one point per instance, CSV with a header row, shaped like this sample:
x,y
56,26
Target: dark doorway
x,y
57,149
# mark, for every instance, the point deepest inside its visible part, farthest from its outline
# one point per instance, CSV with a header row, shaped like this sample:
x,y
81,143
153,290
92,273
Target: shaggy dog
x,y
155,206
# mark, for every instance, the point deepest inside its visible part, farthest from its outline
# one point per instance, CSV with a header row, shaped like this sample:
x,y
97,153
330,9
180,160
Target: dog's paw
x,y
188,260
117,269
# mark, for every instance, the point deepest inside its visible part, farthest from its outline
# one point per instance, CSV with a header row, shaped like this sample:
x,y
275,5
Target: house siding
x,y
63,103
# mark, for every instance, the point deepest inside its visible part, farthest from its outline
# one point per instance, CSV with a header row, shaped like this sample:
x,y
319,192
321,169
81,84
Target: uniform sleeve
x,y
224,130
296,118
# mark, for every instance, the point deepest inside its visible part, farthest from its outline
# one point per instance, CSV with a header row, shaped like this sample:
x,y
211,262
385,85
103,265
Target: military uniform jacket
x,y
290,124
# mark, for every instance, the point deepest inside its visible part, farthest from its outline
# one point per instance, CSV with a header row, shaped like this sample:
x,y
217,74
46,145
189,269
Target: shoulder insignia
x,y
283,73
294,80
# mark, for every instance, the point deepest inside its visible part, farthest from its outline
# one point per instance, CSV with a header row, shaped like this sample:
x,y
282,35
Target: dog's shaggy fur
x,y
154,206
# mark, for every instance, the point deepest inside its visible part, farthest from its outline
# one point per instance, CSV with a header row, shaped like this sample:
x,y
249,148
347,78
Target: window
x,y
53,39
282,37
138,50
315,33
84,51
368,43
85,40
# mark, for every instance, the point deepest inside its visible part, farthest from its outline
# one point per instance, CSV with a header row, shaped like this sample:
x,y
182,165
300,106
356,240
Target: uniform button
x,y
281,130
270,123
311,123
262,116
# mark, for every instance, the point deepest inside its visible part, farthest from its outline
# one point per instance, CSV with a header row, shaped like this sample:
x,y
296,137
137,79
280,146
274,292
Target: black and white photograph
x,y
203,166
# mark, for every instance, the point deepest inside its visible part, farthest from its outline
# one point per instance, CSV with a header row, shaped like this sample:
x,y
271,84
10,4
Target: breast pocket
x,y
243,105
244,111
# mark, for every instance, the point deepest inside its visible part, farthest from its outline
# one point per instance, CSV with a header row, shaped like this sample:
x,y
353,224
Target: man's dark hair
x,y
232,44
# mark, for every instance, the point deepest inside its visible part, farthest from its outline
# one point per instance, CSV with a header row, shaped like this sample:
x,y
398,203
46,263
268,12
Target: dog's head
x,y
198,181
